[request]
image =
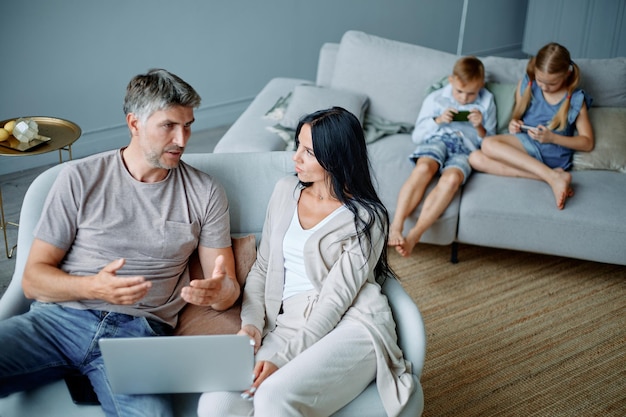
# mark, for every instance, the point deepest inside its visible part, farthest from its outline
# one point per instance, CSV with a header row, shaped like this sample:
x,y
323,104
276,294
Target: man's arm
x,y
219,288
44,281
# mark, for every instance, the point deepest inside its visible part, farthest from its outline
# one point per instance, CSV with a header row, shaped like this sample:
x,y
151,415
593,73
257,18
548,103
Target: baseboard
x,y
104,139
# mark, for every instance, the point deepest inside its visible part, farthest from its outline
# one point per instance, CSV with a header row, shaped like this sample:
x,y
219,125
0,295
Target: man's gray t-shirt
x,y
98,213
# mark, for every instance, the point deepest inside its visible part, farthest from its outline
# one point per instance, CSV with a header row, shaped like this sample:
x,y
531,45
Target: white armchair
x,y
249,179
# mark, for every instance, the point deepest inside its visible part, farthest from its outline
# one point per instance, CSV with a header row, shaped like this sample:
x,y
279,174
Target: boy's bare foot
x,y
561,187
395,238
407,246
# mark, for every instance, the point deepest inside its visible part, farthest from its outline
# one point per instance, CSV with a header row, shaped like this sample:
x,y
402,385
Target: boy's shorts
x,y
553,155
448,151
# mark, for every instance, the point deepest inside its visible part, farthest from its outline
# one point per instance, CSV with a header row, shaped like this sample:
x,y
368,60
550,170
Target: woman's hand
x,y
262,370
253,333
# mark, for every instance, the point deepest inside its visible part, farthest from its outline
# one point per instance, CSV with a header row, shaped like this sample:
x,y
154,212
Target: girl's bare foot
x,y
570,190
561,187
395,238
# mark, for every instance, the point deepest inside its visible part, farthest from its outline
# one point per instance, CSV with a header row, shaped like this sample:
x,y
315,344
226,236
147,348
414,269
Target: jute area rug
x,y
518,334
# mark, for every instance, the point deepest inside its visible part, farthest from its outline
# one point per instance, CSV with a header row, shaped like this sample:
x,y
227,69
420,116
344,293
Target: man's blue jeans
x,y
51,341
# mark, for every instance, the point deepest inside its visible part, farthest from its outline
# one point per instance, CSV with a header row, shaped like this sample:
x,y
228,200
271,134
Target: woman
x,y
321,326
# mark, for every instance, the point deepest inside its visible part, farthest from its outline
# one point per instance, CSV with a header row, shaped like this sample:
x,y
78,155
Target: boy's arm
x,y
426,124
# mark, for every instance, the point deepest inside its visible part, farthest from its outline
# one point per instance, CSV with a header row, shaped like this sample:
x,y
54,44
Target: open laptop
x,y
177,364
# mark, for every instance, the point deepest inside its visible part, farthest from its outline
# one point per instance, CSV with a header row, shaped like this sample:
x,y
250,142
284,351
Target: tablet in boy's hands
x,y
461,116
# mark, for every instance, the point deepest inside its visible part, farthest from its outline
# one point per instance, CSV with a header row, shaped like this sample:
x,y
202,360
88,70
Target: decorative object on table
x,y
25,130
59,136
26,133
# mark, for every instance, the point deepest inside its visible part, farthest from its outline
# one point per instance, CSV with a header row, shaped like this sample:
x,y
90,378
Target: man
x,y
110,253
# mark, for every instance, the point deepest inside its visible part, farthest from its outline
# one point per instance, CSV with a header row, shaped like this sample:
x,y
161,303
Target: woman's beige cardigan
x,y
345,282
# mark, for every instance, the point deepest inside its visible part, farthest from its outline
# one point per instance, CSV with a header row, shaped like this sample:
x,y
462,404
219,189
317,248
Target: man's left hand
x,y
210,291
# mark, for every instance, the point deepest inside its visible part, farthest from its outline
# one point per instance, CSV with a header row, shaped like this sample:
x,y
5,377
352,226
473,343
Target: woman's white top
x,y
296,280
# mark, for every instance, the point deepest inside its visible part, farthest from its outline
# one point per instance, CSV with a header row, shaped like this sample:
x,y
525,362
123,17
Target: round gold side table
x,y
56,135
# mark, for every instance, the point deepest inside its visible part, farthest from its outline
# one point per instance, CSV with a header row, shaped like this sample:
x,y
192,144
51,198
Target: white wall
x,y
73,58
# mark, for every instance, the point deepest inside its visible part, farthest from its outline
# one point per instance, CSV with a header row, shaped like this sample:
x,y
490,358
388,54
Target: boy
x,y
451,124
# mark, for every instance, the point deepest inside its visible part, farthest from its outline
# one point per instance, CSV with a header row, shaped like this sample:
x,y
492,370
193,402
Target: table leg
x,y
68,149
3,226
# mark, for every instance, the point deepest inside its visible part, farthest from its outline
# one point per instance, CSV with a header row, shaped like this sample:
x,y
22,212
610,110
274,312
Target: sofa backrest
x,y
249,179
326,64
396,76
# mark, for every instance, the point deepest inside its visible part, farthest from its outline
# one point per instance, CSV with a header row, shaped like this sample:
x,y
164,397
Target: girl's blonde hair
x,y
551,59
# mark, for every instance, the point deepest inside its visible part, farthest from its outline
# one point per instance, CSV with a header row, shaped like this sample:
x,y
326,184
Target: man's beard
x,y
154,158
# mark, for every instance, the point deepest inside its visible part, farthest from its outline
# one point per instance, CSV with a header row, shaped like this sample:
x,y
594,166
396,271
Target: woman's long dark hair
x,y
340,148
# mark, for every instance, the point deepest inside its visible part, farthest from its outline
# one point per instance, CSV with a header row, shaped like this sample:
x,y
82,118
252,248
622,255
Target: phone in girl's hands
x,y
526,127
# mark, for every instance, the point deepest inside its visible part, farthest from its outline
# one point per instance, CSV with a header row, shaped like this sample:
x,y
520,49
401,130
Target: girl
x,y
549,109
312,305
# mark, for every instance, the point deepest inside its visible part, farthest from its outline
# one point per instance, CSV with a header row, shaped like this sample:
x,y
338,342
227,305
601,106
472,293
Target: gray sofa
x,y
493,211
249,180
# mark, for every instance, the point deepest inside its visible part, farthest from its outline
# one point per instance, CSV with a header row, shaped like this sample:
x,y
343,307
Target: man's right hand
x,y
44,281
109,287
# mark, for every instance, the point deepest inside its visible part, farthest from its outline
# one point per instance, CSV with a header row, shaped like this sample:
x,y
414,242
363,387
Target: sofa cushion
x,y
198,320
609,130
394,75
521,214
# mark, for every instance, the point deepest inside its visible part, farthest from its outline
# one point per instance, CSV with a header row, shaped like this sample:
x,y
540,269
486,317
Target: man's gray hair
x,y
157,90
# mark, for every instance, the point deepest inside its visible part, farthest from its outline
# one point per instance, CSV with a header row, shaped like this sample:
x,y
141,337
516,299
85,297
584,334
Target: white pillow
x,y
609,131
307,99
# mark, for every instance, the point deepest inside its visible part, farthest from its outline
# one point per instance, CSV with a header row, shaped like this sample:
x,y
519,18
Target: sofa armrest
x,y
326,64
13,301
409,324
249,132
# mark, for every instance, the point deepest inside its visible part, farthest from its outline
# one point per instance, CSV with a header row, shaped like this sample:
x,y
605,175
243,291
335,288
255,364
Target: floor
x,y
14,186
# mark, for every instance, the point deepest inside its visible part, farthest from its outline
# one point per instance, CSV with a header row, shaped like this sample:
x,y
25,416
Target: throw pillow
x,y
504,97
198,320
305,99
309,98
609,127
277,111
286,134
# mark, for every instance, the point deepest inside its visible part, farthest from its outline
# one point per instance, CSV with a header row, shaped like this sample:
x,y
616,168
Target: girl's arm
x,y
584,141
